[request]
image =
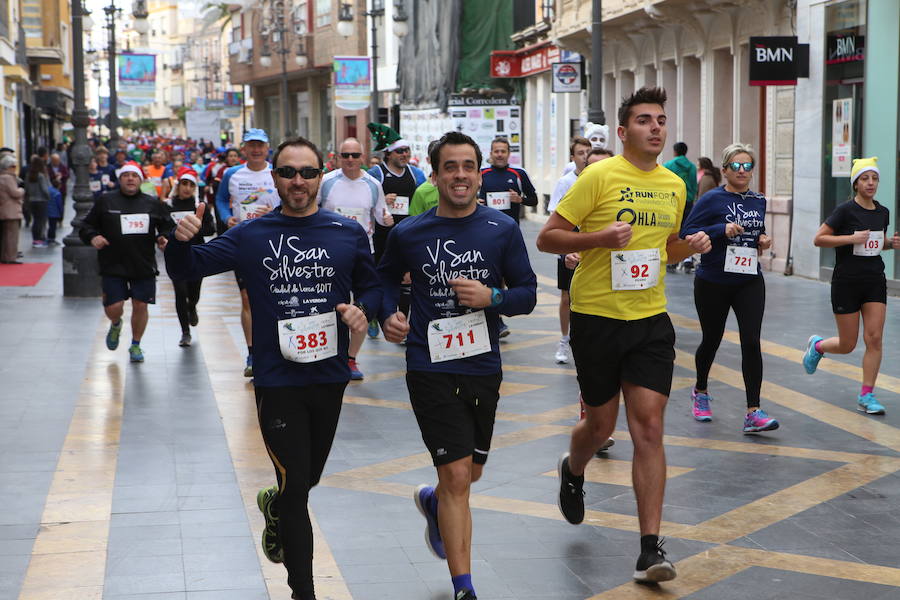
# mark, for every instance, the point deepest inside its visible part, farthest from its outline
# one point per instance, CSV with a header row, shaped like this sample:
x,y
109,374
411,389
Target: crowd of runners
x,y
325,255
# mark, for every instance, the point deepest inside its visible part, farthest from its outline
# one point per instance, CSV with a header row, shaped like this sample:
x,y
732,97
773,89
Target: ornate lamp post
x,y
401,28
276,30
81,275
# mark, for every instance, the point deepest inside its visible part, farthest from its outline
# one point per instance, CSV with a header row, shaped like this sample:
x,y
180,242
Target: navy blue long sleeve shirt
x,y
486,246
504,179
712,212
293,267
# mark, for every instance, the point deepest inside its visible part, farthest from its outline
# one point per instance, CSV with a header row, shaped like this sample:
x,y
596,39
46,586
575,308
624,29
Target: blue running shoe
x,y
504,329
868,404
135,354
355,373
432,533
373,328
248,368
112,336
812,356
759,420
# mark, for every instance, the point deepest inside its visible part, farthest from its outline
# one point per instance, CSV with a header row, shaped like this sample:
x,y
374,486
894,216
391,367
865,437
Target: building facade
x,y
846,109
697,51
261,59
14,76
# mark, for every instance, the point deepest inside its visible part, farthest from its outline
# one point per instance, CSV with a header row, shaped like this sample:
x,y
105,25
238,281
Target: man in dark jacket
x,y
125,225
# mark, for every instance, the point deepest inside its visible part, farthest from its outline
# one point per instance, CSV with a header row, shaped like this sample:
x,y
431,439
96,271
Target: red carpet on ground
x,y
26,274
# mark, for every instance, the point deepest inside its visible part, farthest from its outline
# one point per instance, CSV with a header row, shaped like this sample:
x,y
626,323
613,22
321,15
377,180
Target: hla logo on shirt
x,y
646,218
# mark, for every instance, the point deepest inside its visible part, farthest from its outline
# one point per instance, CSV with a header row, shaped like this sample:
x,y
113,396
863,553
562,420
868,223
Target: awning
x,y
529,60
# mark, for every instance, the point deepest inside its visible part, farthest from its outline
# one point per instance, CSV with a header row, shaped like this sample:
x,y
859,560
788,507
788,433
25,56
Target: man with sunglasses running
x,y
351,192
247,192
300,265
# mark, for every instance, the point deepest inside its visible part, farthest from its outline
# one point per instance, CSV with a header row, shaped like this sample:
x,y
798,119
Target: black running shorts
x,y
118,289
847,297
563,275
610,351
455,413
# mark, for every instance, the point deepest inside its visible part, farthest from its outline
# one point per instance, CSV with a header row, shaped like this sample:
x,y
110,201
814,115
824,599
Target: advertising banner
x,y
841,137
352,82
124,110
233,103
137,78
203,124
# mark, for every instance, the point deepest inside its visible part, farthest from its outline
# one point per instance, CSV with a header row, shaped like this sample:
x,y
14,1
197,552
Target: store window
x,y
845,27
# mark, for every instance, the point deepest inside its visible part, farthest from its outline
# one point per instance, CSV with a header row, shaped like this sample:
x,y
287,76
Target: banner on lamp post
x,y
352,82
137,78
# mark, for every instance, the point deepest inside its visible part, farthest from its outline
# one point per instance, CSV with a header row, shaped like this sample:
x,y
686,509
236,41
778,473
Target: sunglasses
x,y
736,166
289,172
351,154
400,150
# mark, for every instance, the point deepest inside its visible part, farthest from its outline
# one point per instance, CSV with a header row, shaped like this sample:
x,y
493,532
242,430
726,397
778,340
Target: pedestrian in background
x,y
37,190
11,199
708,176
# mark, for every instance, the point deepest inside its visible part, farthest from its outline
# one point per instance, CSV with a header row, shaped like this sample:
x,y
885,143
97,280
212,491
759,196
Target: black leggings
x,y
713,301
187,294
298,425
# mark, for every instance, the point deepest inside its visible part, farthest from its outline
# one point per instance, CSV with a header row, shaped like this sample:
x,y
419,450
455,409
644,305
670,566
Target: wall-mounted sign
x,y
841,137
845,47
525,61
568,77
777,60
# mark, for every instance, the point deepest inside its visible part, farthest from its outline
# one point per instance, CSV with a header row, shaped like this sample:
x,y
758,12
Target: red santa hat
x,y
130,167
187,173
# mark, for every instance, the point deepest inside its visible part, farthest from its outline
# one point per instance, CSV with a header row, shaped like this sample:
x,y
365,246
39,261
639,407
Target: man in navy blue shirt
x,y
300,265
458,255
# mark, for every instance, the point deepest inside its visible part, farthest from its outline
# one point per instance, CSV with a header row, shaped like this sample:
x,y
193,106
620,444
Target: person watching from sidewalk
x,y
857,230
302,265
453,348
11,200
37,192
708,176
247,192
730,278
353,193
621,336
125,225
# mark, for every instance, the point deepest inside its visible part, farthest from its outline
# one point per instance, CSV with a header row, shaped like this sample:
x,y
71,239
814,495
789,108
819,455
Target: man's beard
x,y
300,205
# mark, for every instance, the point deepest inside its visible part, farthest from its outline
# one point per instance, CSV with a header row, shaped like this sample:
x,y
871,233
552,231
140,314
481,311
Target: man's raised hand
x,y
190,225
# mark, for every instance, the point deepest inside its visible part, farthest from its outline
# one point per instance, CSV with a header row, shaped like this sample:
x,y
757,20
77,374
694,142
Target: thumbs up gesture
x,y
190,225
895,241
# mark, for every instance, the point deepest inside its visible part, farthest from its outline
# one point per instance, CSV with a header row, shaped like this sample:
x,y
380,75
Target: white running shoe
x,y
562,352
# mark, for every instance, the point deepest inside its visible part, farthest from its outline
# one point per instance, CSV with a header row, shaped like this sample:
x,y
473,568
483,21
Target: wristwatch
x,y
496,296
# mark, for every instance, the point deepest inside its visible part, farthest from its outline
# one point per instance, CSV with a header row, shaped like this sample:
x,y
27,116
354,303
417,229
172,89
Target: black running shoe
x,y
653,567
571,492
192,315
465,595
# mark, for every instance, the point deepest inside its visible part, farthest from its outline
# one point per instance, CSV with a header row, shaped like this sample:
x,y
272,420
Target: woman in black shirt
x,y
857,230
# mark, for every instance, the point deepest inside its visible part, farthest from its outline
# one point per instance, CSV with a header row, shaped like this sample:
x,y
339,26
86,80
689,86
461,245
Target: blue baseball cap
x,y
256,135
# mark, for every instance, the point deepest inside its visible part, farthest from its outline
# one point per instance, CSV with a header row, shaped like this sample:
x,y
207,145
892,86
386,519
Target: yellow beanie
x,y
861,165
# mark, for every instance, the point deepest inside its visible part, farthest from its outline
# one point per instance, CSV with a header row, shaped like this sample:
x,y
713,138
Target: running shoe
x,y
192,315
700,406
571,492
271,546
432,531
465,595
812,356
373,328
135,354
653,567
112,336
759,420
867,403
185,340
355,373
601,452
38,244
248,369
562,352
504,329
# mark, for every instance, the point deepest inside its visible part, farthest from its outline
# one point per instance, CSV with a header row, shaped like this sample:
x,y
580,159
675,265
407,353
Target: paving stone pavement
x,y
122,481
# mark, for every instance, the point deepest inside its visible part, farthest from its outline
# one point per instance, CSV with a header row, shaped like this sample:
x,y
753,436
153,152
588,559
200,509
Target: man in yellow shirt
x,y
628,211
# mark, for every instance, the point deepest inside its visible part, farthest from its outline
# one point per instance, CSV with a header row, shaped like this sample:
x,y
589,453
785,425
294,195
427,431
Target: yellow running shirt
x,y
652,202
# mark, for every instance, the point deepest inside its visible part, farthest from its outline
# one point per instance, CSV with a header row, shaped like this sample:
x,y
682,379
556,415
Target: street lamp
x,y
401,28
139,14
274,23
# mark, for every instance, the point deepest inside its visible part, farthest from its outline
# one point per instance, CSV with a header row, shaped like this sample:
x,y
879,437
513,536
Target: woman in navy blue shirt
x,y
729,278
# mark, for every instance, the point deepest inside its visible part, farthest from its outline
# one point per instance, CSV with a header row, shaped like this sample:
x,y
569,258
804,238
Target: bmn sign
x,y
777,60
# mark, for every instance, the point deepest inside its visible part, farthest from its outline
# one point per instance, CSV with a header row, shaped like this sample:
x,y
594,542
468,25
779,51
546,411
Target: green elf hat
x,y
385,138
